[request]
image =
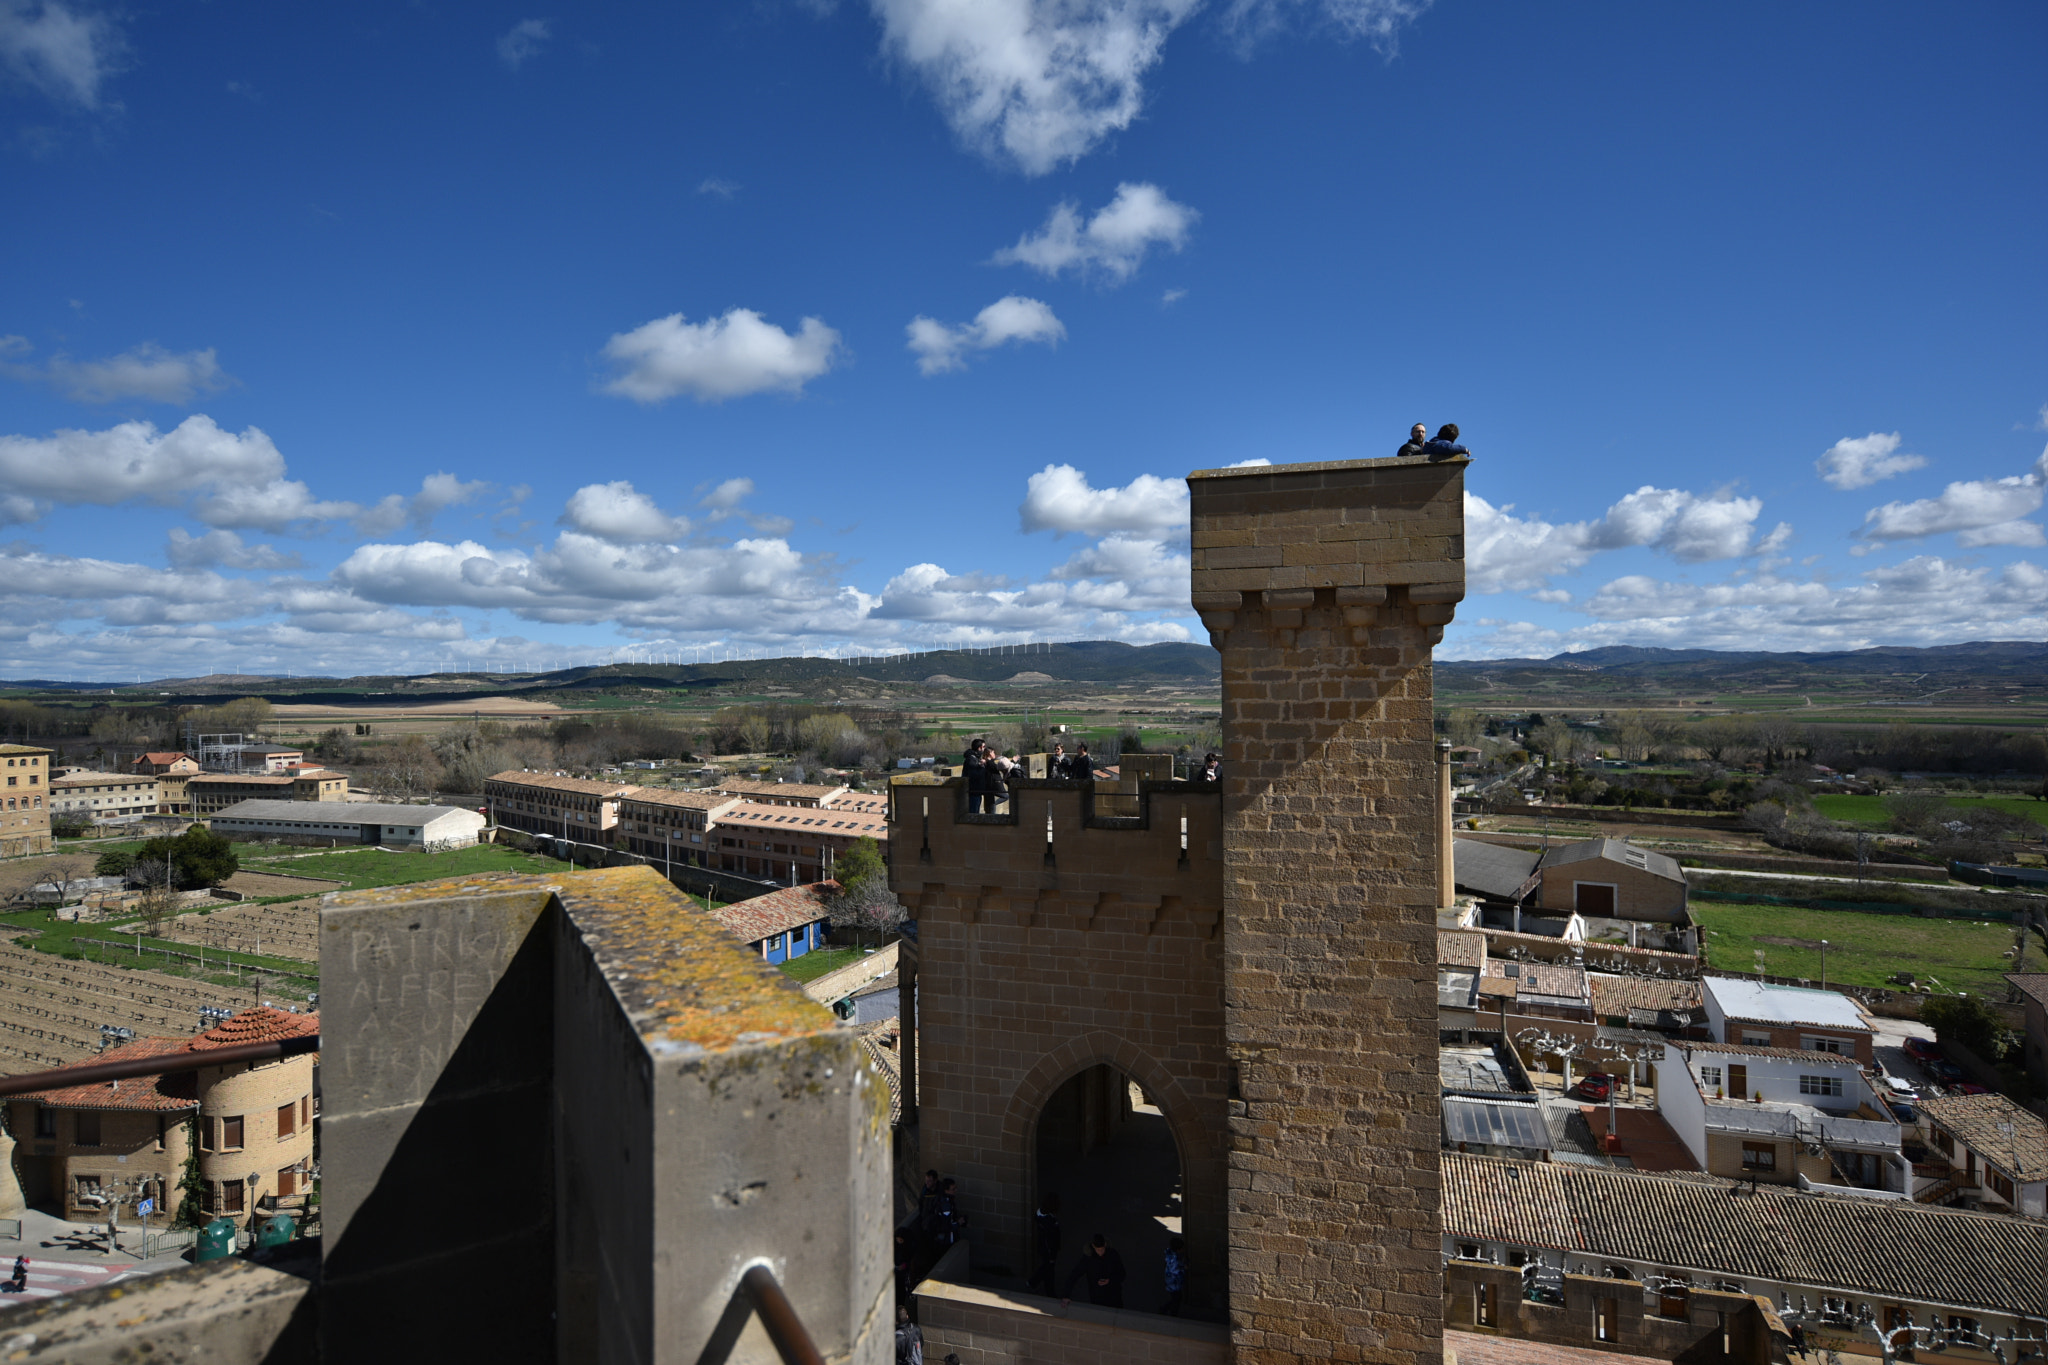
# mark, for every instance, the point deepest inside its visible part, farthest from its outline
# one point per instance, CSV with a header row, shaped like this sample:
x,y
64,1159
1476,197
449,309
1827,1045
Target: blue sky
x,y
390,336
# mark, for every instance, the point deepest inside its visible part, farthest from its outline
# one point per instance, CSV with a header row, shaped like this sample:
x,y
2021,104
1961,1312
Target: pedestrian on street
x,y
1045,1246
20,1280
1103,1269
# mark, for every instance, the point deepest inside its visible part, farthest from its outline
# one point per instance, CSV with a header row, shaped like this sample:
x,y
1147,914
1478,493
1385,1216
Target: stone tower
x,y
1325,587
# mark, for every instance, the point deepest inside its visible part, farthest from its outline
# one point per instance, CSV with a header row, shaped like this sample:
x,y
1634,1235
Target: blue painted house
x,y
783,924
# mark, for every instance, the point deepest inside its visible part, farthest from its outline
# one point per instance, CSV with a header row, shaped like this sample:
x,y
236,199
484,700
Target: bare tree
x,y
158,901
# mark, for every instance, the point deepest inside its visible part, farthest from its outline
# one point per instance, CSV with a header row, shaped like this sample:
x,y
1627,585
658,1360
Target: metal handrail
x,y
161,1064
778,1317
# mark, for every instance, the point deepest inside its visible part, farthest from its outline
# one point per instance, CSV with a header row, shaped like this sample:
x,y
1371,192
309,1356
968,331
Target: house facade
x,y
210,793
103,796
672,827
171,771
556,804
1762,1014
1783,1116
782,925
24,801
2032,988
1996,1152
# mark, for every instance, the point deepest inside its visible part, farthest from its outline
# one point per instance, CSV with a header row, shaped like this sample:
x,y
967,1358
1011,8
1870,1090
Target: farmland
x,y
1863,949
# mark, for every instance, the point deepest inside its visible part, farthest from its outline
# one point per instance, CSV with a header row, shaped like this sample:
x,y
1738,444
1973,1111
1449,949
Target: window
x,y
1752,1039
1759,1156
1468,1251
1820,1085
46,1122
230,1196
160,1126
86,1128
2000,1186
1816,1044
88,1185
287,1182
231,1133
1674,1301
1945,1142
287,1120
1606,1320
1486,1304
206,1135
1710,1076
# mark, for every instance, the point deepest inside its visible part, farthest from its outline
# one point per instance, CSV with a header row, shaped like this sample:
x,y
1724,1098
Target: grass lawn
x,y
1863,949
815,964
1870,811
363,867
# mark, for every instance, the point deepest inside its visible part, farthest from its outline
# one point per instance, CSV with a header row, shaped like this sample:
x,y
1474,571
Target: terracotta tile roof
x,y
1614,995
21,749
1891,1249
1801,1054
777,912
260,1025
793,791
1555,979
825,820
1978,1120
166,757
1460,948
685,800
1476,1348
549,782
2033,985
149,1093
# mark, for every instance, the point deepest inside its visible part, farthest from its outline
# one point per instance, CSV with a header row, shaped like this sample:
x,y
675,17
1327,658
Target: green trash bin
x,y
216,1240
276,1231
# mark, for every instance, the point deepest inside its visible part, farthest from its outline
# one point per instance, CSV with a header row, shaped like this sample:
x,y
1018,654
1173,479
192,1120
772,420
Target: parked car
x,y
1972,1088
1595,1087
1946,1071
1922,1050
1898,1088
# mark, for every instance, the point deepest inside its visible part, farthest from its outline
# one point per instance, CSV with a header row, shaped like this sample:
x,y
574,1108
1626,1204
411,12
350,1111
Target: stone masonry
x,y
1325,586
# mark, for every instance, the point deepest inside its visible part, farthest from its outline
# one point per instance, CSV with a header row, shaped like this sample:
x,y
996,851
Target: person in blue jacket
x,y
1445,443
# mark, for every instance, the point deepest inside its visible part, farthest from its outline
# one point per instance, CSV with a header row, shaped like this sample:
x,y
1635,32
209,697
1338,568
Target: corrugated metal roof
x,y
338,812
1616,851
1883,1248
1491,869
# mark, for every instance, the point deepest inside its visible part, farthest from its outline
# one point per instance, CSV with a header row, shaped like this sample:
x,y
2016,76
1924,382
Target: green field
x,y
1863,949
1871,812
364,867
813,965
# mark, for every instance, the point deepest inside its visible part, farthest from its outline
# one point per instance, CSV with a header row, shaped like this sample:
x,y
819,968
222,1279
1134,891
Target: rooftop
x,y
1499,1123
1794,1054
337,812
1619,994
260,1025
244,779
1554,980
95,779
1460,948
12,749
1891,1248
791,791
2011,1138
148,1093
682,800
552,782
813,819
1764,1003
1616,851
167,756
777,912
1492,869
2033,985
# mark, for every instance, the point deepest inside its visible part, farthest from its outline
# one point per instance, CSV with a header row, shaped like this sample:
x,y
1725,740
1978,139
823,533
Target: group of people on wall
x,y
990,772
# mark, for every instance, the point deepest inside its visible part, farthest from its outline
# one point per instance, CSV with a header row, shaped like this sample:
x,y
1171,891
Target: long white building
x,y
352,822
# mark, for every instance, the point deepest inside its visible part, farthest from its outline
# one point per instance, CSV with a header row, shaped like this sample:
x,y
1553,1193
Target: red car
x,y
1595,1087
1922,1050
1971,1088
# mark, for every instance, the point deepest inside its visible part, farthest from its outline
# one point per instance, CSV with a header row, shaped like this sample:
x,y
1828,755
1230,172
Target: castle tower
x,y
1325,587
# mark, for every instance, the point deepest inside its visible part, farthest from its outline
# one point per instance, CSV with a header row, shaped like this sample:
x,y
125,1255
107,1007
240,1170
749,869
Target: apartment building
x,y
211,793
790,843
24,801
557,805
1780,1116
672,827
171,771
101,796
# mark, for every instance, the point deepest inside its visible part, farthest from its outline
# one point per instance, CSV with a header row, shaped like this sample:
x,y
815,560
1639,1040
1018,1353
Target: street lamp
x,y
1823,964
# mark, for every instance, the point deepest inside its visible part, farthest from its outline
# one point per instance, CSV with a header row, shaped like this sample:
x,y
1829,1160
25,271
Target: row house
x,y
672,827
211,793
794,844
24,810
102,796
556,805
1782,1115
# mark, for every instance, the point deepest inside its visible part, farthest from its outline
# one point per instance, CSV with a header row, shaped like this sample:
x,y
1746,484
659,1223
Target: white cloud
x,y
1376,21
438,492
55,49
1979,511
714,185
148,371
1859,461
273,506
1113,242
135,461
1505,553
1060,499
1255,462
523,42
726,357
1011,318
1038,82
620,513
225,549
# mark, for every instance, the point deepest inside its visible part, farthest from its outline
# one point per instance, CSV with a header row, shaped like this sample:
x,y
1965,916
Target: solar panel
x,y
1497,1123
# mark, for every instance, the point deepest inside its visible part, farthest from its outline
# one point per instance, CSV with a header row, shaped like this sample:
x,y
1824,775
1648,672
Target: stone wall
x,y
1325,587
1052,940
1705,1327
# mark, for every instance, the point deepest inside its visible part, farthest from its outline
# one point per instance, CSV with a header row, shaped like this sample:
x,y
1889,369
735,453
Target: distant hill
x,y
1980,659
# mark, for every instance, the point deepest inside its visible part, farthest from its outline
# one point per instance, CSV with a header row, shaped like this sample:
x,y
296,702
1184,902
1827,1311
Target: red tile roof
x,y
777,912
260,1025
157,1093
826,820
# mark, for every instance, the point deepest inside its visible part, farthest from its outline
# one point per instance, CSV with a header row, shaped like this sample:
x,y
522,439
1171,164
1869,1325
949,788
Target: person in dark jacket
x,y
909,1341
1445,443
1045,1246
1080,767
1212,770
1103,1269
1176,1275
1418,436
975,761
